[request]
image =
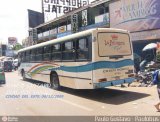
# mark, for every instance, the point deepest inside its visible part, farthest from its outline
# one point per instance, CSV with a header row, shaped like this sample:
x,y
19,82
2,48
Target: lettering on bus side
x,y
114,70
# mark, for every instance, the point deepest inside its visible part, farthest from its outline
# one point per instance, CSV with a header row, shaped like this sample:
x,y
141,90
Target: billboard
x,y
135,15
62,29
35,18
74,23
56,8
68,27
53,31
12,40
145,35
102,18
34,35
84,18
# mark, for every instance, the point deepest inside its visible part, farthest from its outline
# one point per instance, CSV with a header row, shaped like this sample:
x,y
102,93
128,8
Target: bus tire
x,y
55,81
23,75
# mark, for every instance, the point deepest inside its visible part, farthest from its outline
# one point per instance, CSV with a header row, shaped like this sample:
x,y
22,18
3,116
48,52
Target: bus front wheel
x,y
23,75
55,81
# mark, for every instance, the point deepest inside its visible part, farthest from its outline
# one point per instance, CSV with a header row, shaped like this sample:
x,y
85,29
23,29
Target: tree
x,y
17,47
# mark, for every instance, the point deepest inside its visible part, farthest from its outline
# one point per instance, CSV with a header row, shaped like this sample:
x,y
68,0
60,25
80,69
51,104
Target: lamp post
x,y
0,48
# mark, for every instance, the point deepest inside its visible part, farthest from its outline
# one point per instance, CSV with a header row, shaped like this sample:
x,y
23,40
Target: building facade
x,y
140,17
4,48
78,20
28,41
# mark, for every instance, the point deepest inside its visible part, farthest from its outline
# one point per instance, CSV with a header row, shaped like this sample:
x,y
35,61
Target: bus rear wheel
x,y
55,81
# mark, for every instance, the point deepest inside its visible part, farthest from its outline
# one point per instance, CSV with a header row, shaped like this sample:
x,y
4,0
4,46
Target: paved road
x,y
28,98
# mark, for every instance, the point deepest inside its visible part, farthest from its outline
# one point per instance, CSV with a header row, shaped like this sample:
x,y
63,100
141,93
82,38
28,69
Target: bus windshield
x,y
114,44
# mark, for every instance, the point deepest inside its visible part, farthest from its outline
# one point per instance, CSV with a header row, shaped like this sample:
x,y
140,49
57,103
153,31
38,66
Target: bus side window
x,y
89,47
82,49
31,57
46,53
28,53
68,52
39,54
36,54
20,57
56,52
23,56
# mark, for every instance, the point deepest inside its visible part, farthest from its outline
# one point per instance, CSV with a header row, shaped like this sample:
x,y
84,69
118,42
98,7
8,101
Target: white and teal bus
x,y
94,58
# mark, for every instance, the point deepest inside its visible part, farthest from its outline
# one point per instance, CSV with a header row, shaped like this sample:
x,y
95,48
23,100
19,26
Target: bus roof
x,y
72,36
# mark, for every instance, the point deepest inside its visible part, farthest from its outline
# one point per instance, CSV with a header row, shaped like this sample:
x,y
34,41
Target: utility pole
x,y
0,48
43,10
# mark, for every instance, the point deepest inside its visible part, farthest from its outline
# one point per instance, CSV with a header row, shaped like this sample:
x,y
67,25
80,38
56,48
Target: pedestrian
x,y
156,81
158,104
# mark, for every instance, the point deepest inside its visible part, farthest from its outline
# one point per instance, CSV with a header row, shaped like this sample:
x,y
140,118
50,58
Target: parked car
x,y
2,77
8,66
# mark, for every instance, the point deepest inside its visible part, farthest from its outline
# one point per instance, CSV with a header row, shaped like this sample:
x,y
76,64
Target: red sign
x,y
12,40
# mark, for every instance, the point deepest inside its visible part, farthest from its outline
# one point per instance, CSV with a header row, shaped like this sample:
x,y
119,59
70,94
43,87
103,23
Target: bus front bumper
x,y
113,83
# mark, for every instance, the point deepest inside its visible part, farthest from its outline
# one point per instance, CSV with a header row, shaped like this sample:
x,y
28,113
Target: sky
x,y
14,18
